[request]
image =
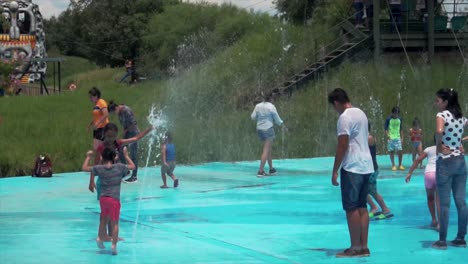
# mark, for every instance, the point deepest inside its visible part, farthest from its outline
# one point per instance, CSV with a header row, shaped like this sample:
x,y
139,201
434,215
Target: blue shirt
x,y
170,152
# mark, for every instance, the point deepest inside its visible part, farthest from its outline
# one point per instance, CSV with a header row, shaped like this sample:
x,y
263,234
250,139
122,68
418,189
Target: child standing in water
x,y
111,174
429,181
394,133
168,154
416,143
110,140
374,212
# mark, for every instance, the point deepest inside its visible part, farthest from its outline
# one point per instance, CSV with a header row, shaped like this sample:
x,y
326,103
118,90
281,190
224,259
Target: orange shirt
x,y
97,113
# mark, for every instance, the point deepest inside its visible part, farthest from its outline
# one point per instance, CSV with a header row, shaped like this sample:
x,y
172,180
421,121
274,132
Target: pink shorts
x,y
430,180
110,207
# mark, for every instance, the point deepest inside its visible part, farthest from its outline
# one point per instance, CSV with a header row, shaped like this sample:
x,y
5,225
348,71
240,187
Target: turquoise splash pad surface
x,y
221,213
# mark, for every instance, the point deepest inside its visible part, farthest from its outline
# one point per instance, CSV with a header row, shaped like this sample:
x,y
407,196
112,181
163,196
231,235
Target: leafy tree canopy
x,y
296,11
105,31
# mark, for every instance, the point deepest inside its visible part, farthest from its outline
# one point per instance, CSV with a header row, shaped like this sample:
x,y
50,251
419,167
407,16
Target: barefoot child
x,y
111,174
168,161
429,182
110,141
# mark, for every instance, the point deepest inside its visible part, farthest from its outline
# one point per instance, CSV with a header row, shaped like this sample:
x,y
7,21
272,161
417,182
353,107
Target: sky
x,y
55,7
51,8
257,5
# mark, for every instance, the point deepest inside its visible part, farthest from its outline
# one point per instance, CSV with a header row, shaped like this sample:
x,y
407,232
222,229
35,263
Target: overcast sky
x,y
50,8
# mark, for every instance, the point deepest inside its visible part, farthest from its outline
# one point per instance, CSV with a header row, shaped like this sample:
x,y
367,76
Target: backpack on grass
x,y
42,167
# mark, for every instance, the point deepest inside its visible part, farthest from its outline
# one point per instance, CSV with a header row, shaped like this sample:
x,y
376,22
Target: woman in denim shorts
x,y
266,116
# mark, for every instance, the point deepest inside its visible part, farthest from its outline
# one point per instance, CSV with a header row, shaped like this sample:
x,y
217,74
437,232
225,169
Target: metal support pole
x,y
376,28
59,77
430,28
53,69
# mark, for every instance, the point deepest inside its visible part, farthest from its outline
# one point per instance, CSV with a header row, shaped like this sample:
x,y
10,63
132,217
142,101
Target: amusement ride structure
x,y
22,40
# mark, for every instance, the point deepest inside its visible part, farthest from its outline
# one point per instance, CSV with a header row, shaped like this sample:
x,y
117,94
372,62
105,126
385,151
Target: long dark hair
x,y
451,96
112,106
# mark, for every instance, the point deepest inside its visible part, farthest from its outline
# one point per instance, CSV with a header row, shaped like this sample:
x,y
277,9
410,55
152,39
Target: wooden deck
x,y
413,33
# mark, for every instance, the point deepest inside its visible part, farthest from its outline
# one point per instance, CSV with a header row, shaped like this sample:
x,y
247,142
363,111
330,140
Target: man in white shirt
x,y
355,160
266,116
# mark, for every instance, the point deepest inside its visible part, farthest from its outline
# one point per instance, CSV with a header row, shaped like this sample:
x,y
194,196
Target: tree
x,y
296,11
104,31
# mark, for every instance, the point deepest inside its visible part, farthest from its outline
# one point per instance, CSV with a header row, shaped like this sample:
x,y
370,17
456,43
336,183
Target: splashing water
x,y
402,85
376,114
158,121
463,81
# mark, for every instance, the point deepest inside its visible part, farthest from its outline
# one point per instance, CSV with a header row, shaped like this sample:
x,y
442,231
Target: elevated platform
x,y
419,39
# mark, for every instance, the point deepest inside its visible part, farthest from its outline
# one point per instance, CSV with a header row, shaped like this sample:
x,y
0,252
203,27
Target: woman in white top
x,y
266,116
451,170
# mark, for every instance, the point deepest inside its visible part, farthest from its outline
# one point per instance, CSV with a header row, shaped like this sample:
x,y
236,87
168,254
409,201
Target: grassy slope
x,y
56,125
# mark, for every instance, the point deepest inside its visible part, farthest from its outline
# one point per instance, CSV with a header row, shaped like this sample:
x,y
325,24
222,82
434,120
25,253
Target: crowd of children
x,y
113,162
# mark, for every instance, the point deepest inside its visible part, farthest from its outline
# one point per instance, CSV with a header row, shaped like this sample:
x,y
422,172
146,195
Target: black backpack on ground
x,y
42,167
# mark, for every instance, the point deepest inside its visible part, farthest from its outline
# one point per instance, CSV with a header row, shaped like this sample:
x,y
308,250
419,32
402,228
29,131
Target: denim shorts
x,y
354,190
265,135
416,143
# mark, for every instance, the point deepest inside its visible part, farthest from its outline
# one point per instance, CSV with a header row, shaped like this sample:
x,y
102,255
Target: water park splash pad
x,y
221,213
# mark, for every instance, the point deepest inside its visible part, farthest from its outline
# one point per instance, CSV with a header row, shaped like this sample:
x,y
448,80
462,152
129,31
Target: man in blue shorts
x,y
355,160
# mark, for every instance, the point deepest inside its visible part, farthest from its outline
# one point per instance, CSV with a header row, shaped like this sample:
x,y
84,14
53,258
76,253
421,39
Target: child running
x,y
110,174
168,161
429,181
374,211
416,143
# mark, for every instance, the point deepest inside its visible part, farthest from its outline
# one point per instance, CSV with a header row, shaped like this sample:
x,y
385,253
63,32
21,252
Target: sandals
x,y
383,216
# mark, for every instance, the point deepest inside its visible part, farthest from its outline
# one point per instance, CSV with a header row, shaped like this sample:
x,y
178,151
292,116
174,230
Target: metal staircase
x,y
332,54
